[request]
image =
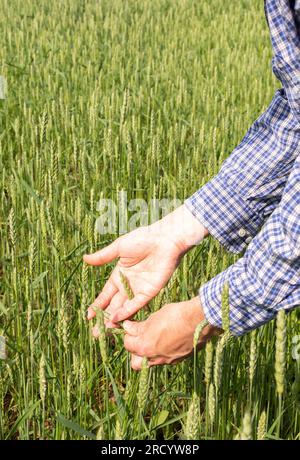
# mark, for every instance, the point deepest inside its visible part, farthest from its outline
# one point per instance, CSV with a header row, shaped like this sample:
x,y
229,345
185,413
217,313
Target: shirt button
x,y
248,240
242,232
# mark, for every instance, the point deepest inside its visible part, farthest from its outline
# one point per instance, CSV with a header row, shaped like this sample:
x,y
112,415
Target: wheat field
x,y
148,97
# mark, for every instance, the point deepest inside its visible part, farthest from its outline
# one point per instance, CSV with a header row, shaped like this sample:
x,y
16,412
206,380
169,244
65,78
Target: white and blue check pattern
x,y
254,201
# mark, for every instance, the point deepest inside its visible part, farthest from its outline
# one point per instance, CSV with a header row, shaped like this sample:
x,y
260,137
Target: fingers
x,y
103,256
116,303
132,339
104,298
95,332
136,362
132,327
132,344
90,313
106,295
131,307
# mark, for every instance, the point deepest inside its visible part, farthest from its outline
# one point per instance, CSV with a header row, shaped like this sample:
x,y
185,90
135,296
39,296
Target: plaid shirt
x,y
254,201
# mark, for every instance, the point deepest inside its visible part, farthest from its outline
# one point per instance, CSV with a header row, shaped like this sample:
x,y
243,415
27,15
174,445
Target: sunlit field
x,y
147,98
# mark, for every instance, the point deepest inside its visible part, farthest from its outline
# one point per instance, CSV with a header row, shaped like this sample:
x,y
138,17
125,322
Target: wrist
x,y
195,315
183,228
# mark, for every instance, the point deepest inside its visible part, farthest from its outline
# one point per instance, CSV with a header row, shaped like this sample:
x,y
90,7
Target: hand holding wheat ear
x,y
167,336
147,257
106,315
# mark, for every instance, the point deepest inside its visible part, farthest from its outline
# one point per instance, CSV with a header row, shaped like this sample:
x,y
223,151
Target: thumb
x,y
132,327
103,256
130,307
136,362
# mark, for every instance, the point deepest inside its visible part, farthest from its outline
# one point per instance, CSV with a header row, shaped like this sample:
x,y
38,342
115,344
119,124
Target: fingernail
x,y
126,326
90,313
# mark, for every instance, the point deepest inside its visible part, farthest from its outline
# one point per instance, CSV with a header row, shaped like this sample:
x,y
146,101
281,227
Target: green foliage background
x,y
149,97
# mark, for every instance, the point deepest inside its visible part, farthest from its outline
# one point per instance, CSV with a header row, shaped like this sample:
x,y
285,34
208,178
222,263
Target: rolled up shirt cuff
x,y
225,214
243,318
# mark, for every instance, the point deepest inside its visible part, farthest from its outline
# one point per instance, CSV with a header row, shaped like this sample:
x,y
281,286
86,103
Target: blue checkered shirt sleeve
x,y
254,201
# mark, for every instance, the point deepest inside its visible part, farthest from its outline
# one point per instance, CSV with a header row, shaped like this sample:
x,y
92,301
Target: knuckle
x,y
128,310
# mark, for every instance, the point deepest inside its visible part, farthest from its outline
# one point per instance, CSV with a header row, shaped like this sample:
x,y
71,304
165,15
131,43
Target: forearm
x,y
235,204
267,278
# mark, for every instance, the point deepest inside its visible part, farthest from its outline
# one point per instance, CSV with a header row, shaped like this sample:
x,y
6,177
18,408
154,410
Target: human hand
x,y
148,256
167,336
